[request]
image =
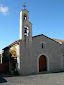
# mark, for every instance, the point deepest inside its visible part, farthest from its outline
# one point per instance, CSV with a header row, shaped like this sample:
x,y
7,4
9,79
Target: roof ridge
x,y
17,41
46,37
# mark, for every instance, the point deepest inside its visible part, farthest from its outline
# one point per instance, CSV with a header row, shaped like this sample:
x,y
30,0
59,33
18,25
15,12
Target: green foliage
x,y
6,56
14,48
15,72
0,58
13,51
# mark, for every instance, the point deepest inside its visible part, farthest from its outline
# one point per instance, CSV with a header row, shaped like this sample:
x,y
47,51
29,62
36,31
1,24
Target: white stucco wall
x,y
30,52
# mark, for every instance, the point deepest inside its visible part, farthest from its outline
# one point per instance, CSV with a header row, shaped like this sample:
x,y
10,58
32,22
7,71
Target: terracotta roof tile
x,y
15,42
60,41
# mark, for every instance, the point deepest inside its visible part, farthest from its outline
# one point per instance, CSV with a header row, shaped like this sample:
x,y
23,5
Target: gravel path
x,y
39,79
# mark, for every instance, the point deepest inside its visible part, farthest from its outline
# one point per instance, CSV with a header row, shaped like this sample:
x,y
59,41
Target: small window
x,y
42,45
25,17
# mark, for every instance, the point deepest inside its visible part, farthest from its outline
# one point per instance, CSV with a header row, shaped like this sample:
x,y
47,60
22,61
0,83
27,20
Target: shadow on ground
x,y
2,80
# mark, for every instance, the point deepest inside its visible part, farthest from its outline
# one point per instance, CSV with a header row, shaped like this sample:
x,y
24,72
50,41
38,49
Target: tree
x,y
0,58
13,51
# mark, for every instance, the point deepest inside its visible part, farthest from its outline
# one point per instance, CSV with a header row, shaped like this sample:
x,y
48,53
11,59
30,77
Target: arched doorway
x,y
42,63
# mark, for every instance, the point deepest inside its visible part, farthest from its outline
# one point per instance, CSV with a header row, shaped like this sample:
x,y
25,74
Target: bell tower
x,y
25,25
26,43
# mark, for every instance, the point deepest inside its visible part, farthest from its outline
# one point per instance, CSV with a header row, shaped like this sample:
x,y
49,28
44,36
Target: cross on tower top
x,y
24,5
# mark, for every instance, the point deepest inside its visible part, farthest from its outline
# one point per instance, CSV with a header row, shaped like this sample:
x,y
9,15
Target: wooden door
x,y
42,63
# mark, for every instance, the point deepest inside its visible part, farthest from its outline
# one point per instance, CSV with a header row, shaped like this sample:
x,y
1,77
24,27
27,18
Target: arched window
x,y
25,17
26,31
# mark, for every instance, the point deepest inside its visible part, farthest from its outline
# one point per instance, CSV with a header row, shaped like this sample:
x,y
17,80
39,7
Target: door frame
x,y
47,61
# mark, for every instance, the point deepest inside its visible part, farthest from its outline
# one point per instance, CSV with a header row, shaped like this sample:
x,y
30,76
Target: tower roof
x,y
24,10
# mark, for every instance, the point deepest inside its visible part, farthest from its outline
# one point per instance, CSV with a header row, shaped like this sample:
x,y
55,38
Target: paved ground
x,y
39,79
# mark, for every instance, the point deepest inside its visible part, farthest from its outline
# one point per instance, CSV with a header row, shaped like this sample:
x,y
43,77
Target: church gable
x,y
47,38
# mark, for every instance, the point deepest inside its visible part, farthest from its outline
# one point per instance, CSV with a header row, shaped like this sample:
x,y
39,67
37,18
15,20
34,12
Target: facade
x,y
36,54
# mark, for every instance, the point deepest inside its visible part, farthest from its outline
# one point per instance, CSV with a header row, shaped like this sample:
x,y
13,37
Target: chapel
x,y
34,54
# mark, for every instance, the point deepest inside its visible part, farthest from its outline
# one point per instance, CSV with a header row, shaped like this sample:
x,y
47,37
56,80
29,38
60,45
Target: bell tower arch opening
x,y
26,31
25,17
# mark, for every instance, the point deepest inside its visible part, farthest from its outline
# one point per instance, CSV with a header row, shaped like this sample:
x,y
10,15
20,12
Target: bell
x,y
25,30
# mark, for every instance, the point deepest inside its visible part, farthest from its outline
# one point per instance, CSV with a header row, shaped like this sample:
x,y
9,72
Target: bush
x,y
15,72
0,58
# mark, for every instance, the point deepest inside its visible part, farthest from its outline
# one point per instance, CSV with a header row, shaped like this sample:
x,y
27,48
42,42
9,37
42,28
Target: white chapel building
x,y
38,53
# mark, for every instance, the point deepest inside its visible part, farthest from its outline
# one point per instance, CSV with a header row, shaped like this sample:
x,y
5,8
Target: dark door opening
x,y
42,63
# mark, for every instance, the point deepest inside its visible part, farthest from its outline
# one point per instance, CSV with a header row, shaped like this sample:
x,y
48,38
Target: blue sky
x,y
46,16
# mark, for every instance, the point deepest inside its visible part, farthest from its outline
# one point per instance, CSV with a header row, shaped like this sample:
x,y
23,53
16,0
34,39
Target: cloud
x,y
3,10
